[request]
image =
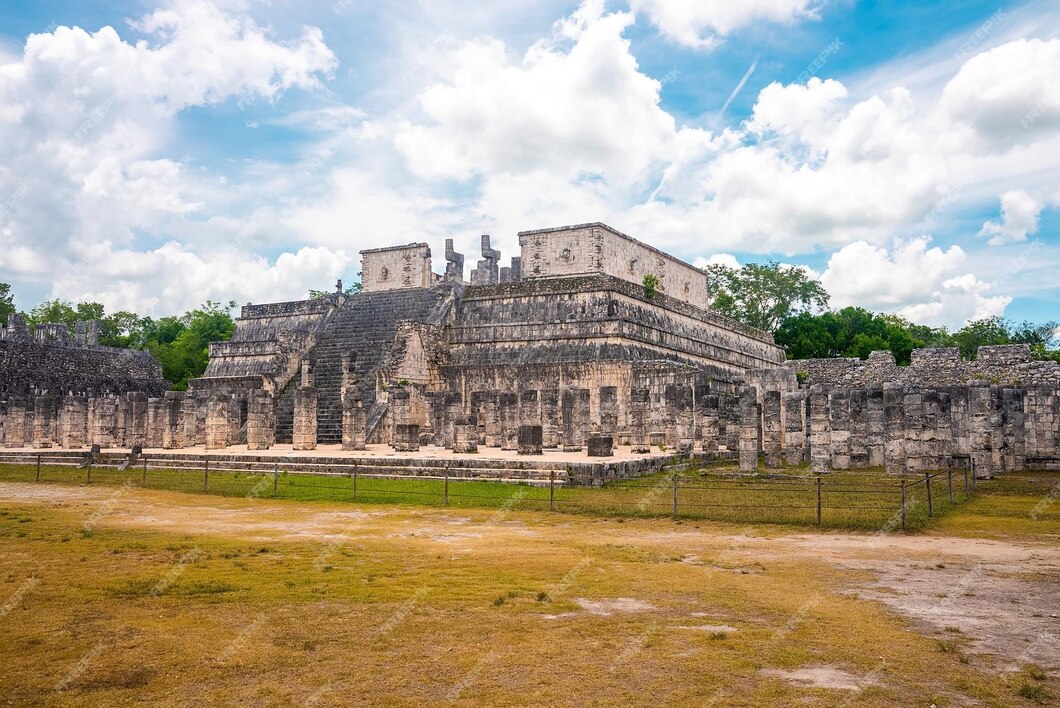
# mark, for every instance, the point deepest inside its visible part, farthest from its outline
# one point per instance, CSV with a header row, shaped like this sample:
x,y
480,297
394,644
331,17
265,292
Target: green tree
x,y
980,333
763,296
186,355
7,303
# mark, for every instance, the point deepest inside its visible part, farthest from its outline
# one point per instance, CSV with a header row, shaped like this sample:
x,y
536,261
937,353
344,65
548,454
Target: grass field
x,y
120,595
865,499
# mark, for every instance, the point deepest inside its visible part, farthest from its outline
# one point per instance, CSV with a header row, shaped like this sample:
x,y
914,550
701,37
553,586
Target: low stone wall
x,y
1008,365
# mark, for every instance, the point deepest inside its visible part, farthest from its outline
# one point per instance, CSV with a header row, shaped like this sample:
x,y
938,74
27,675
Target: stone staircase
x,y
363,327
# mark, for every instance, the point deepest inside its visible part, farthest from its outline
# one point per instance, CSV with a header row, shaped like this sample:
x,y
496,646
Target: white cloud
x,y
1019,217
723,259
704,24
85,116
912,279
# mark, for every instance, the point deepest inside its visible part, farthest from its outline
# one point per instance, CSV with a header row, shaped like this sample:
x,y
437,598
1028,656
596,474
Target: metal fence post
x,y
967,491
675,495
354,482
903,505
818,500
38,468
447,486
927,483
143,476
206,475
552,490
949,481
275,479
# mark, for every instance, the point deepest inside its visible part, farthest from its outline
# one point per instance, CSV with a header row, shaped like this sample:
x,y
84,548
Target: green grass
x,y
866,500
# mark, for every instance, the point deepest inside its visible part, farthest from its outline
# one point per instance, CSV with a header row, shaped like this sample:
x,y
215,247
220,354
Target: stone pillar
x,y
103,415
354,423
913,407
875,427
530,410
550,418
45,416
194,421
980,408
608,410
75,422
575,418
261,420
772,432
820,430
601,446
709,429
121,421
894,428
749,428
639,405
944,429
173,420
732,423
454,408
465,435
156,414
217,424
859,428
529,439
839,424
684,427
406,438
508,418
795,427
136,419
1013,423
305,418
931,458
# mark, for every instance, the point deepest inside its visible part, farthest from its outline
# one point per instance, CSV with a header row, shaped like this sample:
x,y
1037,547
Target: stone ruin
x,y
564,349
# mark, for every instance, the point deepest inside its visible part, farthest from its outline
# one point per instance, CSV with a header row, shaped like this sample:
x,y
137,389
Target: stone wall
x,y
59,364
1009,365
590,249
396,268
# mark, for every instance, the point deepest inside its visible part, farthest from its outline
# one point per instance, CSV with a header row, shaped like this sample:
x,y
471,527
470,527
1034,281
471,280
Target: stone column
x,y
684,427
980,408
749,429
708,422
944,429
732,423
45,414
859,428
608,410
913,407
875,427
772,432
465,434
75,422
156,414
354,422
1013,424
550,418
795,427
894,428
529,439
929,436
217,424
104,421
530,411
508,417
575,418
454,408
194,421
407,438
136,418
820,430
305,418
639,404
839,423
261,420
173,420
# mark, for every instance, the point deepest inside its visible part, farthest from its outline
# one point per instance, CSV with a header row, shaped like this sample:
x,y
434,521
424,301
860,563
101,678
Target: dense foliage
x,y
763,296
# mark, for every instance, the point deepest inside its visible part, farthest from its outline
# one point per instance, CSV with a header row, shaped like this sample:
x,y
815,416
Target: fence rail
x,y
830,500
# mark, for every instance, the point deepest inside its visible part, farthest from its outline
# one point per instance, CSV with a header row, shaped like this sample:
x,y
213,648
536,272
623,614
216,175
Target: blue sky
x,y
907,153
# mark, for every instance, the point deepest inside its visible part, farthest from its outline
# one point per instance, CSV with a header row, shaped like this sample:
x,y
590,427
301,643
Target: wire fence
x,y
856,499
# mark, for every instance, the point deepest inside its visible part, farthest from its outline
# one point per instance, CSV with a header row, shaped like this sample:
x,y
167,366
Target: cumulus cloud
x,y
703,24
1019,217
912,279
85,115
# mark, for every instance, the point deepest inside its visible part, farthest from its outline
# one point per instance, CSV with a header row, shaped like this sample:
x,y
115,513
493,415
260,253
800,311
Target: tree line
x,y
787,302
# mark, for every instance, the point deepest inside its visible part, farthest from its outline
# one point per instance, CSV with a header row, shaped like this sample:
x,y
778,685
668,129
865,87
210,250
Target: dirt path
x,y
992,597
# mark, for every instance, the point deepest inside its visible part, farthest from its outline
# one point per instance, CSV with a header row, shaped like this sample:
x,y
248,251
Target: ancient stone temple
x,y
568,349
568,319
